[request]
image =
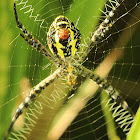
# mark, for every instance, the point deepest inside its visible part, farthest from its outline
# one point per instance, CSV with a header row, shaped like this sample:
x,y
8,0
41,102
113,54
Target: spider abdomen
x,y
63,37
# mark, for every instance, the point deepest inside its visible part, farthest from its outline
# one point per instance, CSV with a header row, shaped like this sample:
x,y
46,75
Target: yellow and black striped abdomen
x,y
63,37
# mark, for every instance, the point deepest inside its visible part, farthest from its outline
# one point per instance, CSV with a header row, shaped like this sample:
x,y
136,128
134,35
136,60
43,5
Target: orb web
x,y
22,68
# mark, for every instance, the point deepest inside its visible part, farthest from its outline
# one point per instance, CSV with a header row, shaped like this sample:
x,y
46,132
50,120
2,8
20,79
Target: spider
x,y
64,39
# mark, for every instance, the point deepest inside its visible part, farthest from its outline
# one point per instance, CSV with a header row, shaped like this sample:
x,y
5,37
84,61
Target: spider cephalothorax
x,y
63,37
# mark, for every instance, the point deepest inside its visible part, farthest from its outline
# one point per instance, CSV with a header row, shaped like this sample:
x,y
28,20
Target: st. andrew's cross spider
x,y
64,40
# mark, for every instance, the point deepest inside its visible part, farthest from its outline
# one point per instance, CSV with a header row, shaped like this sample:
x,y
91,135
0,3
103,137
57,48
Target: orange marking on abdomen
x,y
63,33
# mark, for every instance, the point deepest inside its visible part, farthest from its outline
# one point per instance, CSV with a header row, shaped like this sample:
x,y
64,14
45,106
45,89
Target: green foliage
x,y
135,130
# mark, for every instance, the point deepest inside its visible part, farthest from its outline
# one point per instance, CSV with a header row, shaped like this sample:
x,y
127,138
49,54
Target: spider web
x,y
22,68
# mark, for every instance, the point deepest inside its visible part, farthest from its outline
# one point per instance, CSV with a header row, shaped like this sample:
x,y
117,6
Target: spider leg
x,y
103,83
31,39
38,46
101,30
114,94
122,113
20,25
32,96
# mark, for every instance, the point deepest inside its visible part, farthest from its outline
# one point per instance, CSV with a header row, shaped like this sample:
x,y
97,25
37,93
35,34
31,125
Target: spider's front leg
x,y
103,28
32,96
20,25
32,41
